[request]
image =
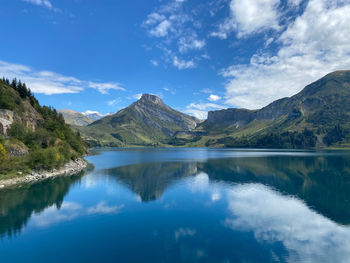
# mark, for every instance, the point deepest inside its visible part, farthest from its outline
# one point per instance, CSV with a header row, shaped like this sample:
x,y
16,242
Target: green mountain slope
x,y
319,115
32,136
146,122
72,117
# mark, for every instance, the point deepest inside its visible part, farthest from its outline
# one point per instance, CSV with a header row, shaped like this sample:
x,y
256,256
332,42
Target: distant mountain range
x,y
76,118
95,115
318,116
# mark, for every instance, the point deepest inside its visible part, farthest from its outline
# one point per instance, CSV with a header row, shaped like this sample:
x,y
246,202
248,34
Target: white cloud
x,y
183,64
249,16
206,90
214,97
69,211
190,43
102,208
274,218
104,87
294,2
137,96
161,30
316,43
200,110
176,30
43,3
171,91
50,83
154,63
113,102
199,114
52,215
216,196
199,183
205,106
89,112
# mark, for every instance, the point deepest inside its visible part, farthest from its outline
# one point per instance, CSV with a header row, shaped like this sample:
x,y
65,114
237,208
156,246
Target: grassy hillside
x,y
318,116
37,137
147,122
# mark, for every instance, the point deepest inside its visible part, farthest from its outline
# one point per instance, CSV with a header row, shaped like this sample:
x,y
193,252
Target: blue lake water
x,y
185,205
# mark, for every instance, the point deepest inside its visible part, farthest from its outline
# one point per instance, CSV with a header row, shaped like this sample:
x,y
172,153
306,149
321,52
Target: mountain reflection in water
x,y
270,207
322,182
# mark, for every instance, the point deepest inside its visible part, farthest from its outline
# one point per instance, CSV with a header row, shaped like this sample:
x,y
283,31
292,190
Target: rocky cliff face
x,y
30,117
241,117
6,119
237,117
325,102
25,114
153,111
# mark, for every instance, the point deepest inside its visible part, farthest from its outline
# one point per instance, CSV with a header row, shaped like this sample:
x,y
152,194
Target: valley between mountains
x,y
316,117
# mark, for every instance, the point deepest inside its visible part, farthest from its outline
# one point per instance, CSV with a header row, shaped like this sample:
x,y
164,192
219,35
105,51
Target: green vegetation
x,y
38,138
316,117
147,122
289,140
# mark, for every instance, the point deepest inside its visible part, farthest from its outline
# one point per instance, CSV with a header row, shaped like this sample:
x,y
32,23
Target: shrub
x,y
2,152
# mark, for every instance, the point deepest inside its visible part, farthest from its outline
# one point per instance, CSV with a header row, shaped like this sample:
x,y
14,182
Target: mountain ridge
x,y
318,116
146,122
72,117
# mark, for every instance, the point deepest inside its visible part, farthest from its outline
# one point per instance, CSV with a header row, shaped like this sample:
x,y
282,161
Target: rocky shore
x,y
70,168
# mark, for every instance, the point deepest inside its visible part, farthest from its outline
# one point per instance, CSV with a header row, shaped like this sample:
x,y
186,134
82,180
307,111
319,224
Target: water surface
x,y
185,205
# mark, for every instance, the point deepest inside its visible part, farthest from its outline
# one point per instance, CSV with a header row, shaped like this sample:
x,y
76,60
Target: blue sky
x,y
197,55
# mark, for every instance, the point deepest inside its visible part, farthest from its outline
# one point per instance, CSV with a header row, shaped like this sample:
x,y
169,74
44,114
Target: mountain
x,y
32,137
94,115
316,117
321,112
72,117
146,122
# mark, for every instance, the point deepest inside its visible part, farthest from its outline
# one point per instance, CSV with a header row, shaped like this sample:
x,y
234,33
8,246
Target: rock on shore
x,y
70,168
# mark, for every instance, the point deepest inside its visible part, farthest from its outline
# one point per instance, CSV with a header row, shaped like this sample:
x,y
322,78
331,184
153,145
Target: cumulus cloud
x,y
316,43
49,83
200,110
249,16
214,97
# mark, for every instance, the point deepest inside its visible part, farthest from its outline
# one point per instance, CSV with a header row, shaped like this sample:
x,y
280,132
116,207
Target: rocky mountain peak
x,y
151,98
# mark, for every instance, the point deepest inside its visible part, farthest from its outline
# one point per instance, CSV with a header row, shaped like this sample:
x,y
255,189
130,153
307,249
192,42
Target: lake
x,y
185,205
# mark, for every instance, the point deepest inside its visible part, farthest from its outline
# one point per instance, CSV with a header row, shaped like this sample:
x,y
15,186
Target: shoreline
x,y
71,168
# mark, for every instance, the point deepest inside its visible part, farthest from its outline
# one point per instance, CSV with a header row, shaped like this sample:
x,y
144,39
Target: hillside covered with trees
x,y
32,137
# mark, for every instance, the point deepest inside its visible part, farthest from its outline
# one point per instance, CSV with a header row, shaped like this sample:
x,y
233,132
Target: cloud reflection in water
x,y
274,218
